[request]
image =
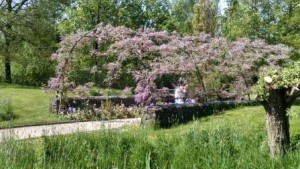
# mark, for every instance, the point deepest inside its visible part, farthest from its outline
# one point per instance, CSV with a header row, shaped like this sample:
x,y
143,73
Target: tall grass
x,y
233,139
6,111
220,148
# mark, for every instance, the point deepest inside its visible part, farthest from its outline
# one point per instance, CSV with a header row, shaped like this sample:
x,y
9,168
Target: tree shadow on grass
x,y
168,116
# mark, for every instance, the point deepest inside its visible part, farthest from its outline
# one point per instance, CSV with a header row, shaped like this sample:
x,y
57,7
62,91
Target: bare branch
x,y
294,94
76,43
2,3
295,89
19,6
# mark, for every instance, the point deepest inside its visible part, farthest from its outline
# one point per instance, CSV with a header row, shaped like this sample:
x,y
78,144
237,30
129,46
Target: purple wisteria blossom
x,y
149,54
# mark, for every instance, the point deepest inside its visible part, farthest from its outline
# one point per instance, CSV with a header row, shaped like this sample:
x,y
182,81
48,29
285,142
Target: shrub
x,y
6,111
96,92
105,112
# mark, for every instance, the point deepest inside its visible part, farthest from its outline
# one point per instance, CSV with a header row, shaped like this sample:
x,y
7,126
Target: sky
x,y
222,5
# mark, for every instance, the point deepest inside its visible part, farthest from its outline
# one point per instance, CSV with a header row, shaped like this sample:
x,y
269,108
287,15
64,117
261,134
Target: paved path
x,y
57,129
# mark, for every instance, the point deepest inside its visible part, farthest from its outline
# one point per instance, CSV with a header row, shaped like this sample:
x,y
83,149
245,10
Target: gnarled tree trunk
x,y
277,122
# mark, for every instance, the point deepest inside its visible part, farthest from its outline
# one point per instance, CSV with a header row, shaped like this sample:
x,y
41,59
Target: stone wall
x,y
167,115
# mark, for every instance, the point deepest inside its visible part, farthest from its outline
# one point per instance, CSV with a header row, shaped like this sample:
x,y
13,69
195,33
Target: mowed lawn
x,y
30,105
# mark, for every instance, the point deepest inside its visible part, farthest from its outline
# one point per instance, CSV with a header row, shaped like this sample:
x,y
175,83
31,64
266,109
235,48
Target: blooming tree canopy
x,y
149,54
154,54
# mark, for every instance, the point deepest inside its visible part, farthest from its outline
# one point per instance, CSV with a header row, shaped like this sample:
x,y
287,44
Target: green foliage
x,y
28,36
287,78
214,82
167,80
246,13
157,14
80,72
181,16
29,69
86,14
275,21
95,92
205,17
289,25
6,111
105,112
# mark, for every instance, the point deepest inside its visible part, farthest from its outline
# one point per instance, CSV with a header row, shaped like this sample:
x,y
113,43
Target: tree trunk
x,y
201,81
277,122
96,78
7,55
7,64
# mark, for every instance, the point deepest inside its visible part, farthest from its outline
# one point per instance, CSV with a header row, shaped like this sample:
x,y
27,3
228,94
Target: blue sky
x,y
222,5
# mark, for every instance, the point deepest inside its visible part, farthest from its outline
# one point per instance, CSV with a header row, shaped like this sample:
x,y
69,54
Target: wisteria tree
x,y
245,59
66,56
148,54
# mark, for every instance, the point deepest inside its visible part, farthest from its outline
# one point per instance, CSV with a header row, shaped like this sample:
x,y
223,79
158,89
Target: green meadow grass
x,y
30,106
232,139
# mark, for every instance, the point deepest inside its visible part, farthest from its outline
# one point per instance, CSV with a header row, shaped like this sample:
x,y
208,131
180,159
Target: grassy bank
x,y
30,106
233,139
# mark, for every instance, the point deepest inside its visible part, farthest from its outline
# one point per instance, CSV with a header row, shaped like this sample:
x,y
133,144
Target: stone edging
x,y
66,128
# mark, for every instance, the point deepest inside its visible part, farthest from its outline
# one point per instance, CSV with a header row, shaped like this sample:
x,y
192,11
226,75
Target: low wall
x,y
95,101
167,115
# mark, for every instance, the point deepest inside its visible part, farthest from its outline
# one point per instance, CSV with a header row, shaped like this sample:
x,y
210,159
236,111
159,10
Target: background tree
x,y
233,19
156,14
182,16
29,36
274,21
289,24
205,16
11,14
85,15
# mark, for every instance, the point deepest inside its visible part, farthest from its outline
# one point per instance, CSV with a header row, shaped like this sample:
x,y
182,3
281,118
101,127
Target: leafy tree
x,y
28,37
181,16
86,14
233,19
205,17
243,19
156,14
275,21
10,15
131,14
289,24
